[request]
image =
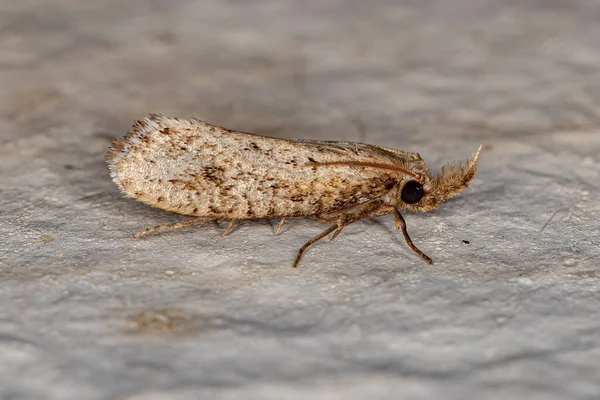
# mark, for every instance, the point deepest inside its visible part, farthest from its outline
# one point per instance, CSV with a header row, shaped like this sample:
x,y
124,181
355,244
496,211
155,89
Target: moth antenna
x,y
368,164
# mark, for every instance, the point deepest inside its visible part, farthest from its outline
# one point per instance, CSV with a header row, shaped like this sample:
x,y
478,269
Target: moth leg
x,y
370,210
400,223
279,227
358,210
345,217
337,232
182,224
341,218
311,241
231,223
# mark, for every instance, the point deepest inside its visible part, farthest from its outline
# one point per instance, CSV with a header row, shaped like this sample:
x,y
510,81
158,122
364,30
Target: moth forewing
x,y
193,168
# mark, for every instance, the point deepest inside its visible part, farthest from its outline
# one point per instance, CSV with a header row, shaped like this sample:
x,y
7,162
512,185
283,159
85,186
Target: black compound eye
x,y
412,192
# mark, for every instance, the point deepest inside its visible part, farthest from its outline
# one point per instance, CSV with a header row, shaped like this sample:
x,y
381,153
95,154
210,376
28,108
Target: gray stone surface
x,y
87,312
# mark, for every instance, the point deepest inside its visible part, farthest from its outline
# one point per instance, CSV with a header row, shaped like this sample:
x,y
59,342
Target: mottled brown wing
x,y
193,168
357,146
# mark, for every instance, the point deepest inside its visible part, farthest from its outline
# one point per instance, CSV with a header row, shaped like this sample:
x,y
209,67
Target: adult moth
x,y
193,168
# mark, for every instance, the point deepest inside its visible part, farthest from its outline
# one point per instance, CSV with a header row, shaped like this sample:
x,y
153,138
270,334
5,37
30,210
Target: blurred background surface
x,y
511,305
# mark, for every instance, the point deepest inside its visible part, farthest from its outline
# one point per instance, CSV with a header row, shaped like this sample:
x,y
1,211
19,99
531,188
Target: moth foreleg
x,y
401,224
182,224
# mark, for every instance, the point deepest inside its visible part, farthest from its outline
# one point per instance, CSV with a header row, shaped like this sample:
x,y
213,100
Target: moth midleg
x,y
400,223
345,212
231,223
337,232
182,224
279,227
311,241
354,213
341,218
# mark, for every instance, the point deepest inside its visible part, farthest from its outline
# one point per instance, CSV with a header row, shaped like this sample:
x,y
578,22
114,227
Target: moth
x,y
209,172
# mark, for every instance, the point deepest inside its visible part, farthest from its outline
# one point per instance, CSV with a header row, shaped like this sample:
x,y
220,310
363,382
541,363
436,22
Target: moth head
x,y
426,192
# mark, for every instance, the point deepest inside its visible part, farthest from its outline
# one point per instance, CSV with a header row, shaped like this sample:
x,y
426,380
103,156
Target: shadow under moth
x,y
193,168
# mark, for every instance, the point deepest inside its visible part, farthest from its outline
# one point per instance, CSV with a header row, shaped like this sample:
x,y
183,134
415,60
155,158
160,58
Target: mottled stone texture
x,y
509,309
